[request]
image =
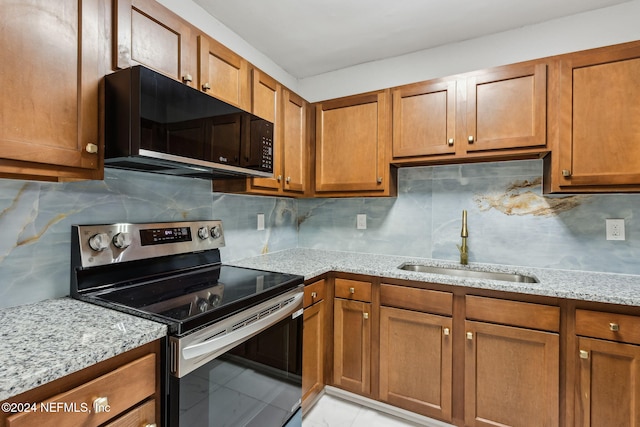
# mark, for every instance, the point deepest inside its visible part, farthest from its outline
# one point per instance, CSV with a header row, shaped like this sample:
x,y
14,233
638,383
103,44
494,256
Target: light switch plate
x,y
260,221
361,221
615,229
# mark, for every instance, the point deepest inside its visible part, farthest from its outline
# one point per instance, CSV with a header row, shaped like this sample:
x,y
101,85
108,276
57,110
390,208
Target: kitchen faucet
x,y
464,250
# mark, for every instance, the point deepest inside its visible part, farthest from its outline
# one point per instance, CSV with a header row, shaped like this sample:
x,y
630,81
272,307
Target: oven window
x,y
258,383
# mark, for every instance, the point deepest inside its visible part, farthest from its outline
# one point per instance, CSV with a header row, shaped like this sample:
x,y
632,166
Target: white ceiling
x,y
308,38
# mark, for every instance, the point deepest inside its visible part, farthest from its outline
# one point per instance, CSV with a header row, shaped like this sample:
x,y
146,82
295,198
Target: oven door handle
x,y
219,345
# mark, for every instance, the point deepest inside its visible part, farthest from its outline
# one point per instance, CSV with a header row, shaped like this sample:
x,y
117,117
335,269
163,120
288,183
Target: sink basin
x,y
474,274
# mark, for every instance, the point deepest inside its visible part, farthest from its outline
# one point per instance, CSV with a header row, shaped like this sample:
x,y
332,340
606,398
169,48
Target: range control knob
x,y
216,231
99,242
202,305
122,240
203,233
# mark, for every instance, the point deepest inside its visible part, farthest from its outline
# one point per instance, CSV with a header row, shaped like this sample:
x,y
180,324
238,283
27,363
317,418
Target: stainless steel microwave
x,y
156,124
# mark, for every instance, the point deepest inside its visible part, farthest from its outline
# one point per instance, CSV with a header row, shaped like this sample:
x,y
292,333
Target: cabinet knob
x,y
279,178
445,332
101,404
379,180
566,172
91,148
314,295
352,290
206,87
288,180
584,354
469,335
471,139
187,78
151,425
365,315
614,327
450,142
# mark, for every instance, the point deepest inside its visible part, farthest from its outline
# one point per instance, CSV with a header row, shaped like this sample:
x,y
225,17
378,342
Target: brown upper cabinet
x,y
222,73
353,142
291,117
49,110
493,113
598,145
146,33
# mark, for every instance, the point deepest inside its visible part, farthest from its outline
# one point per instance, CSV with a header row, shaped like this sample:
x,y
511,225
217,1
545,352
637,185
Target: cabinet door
x,y
49,106
295,143
148,34
511,376
352,137
222,73
313,352
267,104
507,108
415,374
599,134
608,390
424,119
352,346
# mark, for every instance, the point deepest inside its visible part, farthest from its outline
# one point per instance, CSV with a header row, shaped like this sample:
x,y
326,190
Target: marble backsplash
x,y
36,219
510,222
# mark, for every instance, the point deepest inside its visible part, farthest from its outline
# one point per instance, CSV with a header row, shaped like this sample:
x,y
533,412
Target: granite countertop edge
x,y
613,288
48,340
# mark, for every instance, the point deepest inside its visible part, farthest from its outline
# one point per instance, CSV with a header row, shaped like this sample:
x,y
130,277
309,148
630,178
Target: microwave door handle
x,y
220,344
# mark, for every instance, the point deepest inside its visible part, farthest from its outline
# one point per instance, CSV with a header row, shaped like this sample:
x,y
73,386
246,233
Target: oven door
x,y
240,372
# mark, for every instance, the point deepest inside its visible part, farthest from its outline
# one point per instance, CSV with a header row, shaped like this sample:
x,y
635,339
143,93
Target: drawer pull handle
x,y
614,327
445,332
365,315
352,290
584,354
101,404
313,295
469,335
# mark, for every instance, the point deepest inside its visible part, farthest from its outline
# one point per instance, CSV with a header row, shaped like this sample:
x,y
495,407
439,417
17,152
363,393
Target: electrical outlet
x,y
260,221
361,221
615,229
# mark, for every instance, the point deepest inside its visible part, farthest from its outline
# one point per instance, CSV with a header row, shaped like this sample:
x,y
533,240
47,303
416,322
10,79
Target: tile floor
x,y
331,411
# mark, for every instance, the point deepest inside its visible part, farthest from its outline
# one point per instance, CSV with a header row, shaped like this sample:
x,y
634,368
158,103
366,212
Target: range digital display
x,y
159,236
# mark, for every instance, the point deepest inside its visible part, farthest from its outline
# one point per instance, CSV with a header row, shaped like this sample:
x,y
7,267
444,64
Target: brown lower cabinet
x,y
122,391
415,361
352,345
607,362
313,341
473,357
511,376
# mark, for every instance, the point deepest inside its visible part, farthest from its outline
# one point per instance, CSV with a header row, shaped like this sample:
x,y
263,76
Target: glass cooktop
x,y
189,300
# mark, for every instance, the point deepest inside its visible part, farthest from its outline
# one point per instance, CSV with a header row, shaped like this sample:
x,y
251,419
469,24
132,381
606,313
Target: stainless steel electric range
x,y
234,349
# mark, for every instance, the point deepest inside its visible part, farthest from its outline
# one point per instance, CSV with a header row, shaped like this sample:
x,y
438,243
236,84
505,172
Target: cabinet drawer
x,y
123,388
425,300
513,313
609,326
313,293
353,289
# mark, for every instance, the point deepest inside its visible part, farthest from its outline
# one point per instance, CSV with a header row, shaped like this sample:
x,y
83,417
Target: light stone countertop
x,y
48,340
579,285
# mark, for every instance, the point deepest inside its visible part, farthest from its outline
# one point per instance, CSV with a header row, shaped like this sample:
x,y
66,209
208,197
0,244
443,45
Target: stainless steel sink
x,y
475,274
